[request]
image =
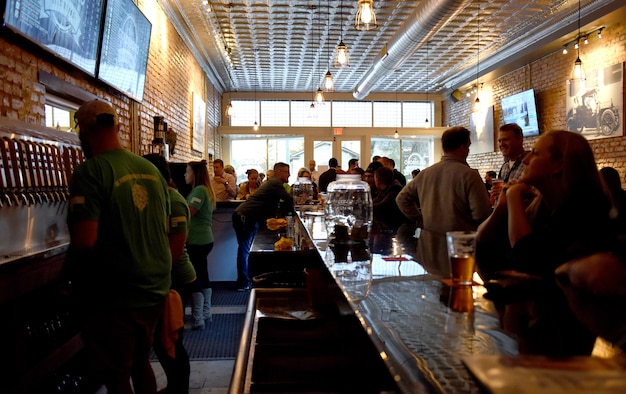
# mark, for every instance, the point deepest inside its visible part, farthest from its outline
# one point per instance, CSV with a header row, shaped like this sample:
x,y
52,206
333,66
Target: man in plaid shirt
x,y
511,144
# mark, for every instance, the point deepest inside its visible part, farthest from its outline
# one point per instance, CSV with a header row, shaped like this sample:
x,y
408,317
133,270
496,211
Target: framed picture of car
x,y
595,104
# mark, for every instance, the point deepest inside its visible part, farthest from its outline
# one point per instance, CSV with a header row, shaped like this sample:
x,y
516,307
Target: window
x,y
298,113
275,113
387,114
352,113
262,153
60,113
302,115
408,154
245,113
58,118
415,113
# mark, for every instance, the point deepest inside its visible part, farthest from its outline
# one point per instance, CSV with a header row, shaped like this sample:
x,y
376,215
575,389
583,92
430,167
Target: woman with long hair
x,y
555,212
201,201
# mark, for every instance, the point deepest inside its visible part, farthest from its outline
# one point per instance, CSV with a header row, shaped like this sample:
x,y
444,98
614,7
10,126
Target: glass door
x,y
341,148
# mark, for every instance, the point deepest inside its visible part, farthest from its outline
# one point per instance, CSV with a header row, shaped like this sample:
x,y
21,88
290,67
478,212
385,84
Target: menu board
x,y
67,28
125,46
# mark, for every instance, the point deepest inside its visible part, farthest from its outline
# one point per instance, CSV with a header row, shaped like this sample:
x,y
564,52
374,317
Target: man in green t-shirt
x,y
119,259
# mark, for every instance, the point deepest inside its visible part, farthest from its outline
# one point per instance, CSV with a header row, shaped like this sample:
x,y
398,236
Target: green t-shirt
x,y
182,270
128,197
201,224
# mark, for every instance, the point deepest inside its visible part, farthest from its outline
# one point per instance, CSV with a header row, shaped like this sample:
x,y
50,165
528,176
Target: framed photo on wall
x,y
595,105
199,123
481,131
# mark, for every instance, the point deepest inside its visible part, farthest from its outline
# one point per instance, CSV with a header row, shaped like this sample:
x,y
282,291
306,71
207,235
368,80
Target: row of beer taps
x,y
34,172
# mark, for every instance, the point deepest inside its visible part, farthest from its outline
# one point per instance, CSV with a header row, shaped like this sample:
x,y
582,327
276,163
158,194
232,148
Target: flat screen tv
x,y
68,29
125,46
521,108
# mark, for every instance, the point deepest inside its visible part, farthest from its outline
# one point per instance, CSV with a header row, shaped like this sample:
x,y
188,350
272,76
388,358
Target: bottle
x,y
348,211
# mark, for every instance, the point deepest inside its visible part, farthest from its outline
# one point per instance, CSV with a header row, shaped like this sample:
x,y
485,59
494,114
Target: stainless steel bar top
x,y
421,326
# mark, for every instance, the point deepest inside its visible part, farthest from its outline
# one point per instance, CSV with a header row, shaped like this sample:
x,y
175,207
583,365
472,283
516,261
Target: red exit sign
x,y
337,130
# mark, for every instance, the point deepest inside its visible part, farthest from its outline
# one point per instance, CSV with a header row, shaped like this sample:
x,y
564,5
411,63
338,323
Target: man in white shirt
x,y
224,184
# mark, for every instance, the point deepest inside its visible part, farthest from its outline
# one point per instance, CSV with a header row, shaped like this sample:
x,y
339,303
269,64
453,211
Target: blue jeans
x,y
245,229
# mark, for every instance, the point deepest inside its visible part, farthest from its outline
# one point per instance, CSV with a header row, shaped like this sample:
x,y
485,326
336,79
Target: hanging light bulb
x,y
341,56
600,33
365,17
329,84
396,135
565,50
342,59
319,96
578,69
578,73
255,126
426,121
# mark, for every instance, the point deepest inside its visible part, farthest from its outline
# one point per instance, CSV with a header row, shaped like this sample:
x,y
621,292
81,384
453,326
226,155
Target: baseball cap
x,y
96,112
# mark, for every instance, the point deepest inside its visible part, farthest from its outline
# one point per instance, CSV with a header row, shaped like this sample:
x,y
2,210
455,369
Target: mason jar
x,y
348,210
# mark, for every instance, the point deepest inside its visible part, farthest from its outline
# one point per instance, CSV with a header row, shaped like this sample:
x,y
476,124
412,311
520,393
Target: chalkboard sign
x,y
68,28
125,46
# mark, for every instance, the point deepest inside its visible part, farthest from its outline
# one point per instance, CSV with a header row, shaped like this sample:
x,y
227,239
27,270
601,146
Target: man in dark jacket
x,y
258,207
329,175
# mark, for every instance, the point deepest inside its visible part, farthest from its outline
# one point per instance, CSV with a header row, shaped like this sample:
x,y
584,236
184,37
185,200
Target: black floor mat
x,y
226,294
219,340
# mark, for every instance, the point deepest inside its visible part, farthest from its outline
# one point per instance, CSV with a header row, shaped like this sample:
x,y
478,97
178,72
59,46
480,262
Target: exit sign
x,y
337,130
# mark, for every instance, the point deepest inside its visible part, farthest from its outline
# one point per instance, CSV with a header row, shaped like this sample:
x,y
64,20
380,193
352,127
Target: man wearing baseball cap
x,y
119,261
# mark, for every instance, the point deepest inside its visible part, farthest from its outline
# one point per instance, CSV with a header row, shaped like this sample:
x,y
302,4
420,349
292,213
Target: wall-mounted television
x,y
521,108
68,29
125,46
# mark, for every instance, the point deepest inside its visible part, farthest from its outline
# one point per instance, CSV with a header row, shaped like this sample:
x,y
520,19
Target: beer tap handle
x,y
7,198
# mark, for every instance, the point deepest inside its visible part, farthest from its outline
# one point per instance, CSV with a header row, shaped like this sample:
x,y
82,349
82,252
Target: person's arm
x,y
242,191
480,206
408,202
594,288
519,225
177,245
231,188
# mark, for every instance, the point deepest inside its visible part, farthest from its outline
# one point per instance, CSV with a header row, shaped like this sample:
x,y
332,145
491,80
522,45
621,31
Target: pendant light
x,y
342,60
578,74
426,121
329,84
319,93
395,134
229,107
255,126
477,101
365,16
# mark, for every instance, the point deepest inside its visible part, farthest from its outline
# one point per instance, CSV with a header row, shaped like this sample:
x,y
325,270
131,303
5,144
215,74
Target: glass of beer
x,y
461,254
496,184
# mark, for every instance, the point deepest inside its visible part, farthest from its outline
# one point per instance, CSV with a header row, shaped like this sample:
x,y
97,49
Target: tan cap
x,y
96,112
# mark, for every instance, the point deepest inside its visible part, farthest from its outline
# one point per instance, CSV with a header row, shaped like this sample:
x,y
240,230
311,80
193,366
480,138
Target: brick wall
x,y
548,77
173,75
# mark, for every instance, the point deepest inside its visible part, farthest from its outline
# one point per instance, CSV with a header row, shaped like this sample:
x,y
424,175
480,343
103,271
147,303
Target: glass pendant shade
x,y
341,56
319,96
329,84
365,16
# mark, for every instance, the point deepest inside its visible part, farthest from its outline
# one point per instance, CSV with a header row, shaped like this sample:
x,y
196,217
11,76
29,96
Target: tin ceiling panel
x,y
288,46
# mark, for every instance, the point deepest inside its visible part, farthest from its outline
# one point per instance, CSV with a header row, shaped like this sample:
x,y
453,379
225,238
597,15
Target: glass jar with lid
x,y
348,211
302,191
